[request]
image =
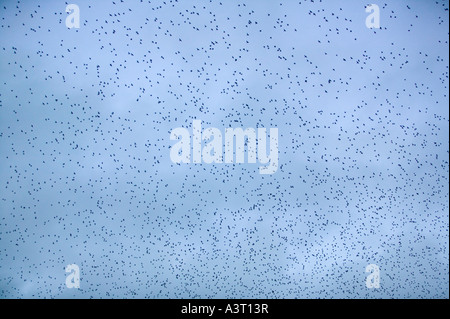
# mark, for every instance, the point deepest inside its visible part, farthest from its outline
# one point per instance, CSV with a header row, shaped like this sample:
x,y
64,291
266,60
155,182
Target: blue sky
x,y
86,176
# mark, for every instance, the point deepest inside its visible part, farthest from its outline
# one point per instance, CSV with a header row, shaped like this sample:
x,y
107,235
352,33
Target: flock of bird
x,y
86,177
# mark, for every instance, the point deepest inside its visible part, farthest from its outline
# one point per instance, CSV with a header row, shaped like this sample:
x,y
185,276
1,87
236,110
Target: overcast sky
x,y
86,176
